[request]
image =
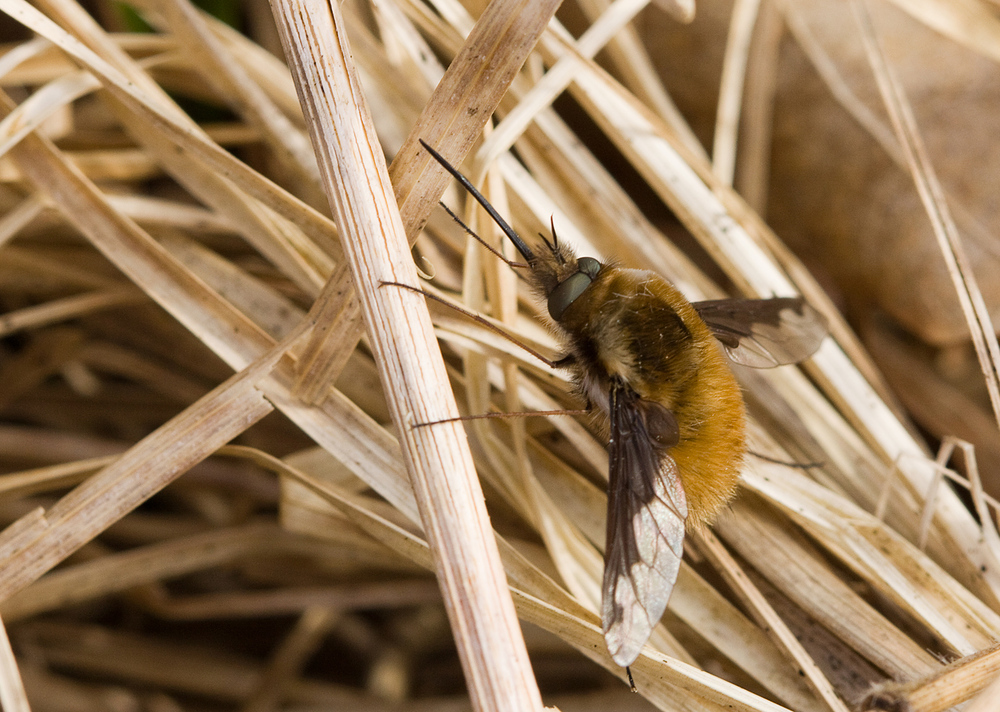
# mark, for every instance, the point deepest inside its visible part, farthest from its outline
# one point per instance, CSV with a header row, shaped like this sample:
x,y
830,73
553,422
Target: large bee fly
x,y
649,360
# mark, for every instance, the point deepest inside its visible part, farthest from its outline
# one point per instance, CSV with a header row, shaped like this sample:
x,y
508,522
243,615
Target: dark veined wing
x,y
764,332
645,537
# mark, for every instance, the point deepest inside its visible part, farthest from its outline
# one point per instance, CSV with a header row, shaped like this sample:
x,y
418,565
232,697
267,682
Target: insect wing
x,y
763,333
645,535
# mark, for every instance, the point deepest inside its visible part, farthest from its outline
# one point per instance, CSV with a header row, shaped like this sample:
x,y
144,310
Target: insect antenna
x,y
472,233
554,244
521,246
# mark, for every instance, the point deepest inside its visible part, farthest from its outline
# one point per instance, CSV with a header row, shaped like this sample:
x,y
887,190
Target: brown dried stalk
x,y
437,458
955,684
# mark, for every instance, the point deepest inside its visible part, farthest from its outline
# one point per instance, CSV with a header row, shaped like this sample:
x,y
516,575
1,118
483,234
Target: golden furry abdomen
x,y
709,461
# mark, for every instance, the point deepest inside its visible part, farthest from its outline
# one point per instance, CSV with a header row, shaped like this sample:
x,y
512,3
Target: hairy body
x,y
634,326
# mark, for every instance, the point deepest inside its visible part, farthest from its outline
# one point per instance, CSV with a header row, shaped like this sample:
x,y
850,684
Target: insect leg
x,y
518,414
473,234
776,461
479,320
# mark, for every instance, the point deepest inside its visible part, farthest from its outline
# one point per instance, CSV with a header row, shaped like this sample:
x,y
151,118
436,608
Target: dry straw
x,y
166,297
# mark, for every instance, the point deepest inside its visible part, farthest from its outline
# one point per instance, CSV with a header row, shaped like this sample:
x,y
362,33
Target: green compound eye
x,y
573,286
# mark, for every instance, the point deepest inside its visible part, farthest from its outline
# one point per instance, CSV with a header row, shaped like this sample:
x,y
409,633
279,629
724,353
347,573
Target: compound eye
x,y
573,286
566,293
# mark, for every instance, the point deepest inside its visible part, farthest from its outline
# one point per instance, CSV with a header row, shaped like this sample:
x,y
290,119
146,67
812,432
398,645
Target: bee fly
x,y
647,359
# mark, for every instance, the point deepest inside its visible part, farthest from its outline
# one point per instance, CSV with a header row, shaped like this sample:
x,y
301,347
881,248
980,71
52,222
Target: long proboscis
x,y
525,251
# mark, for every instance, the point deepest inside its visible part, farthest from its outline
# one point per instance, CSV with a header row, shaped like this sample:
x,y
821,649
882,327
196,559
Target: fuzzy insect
x,y
649,360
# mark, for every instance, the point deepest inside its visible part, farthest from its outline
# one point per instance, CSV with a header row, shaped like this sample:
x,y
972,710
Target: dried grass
x,y
295,506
